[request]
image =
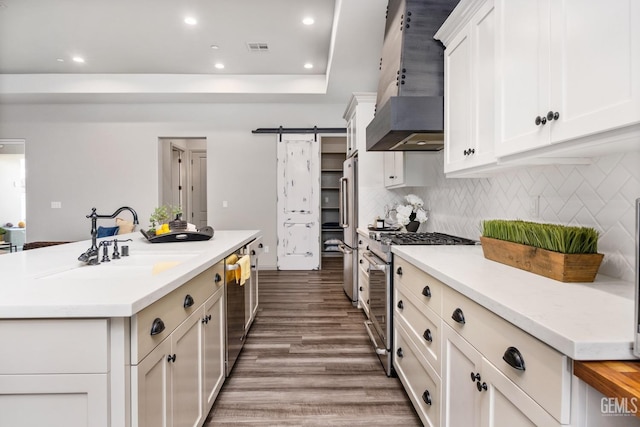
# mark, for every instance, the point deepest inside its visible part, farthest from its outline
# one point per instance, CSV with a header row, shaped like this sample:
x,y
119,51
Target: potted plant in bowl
x,y
560,252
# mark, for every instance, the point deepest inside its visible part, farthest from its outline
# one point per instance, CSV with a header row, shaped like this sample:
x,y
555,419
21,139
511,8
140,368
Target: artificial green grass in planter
x,y
552,237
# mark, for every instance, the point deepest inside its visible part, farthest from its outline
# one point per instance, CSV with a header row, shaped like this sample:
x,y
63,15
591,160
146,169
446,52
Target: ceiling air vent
x,y
258,47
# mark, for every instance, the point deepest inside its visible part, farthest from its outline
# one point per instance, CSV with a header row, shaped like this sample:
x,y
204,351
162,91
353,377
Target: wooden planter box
x,y
554,265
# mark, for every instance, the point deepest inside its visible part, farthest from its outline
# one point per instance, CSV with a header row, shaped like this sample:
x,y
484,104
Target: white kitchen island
x,y
481,343
77,343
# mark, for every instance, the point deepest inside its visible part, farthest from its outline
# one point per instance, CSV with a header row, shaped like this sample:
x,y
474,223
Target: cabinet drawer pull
x,y
157,326
400,305
399,352
361,288
188,301
426,396
458,316
426,291
217,278
427,335
253,252
481,386
171,358
514,358
399,271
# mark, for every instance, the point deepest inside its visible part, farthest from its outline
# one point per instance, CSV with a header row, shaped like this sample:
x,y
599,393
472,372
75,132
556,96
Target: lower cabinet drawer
x,y
420,380
154,323
542,372
421,323
427,288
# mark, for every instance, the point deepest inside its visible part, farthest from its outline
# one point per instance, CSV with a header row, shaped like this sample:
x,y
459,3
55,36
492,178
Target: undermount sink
x,y
138,265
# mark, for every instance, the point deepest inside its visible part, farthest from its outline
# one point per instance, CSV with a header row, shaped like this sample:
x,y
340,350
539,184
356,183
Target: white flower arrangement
x,y
413,211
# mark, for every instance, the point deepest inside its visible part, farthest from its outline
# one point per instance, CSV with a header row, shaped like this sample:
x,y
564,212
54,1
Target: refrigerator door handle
x,y
344,249
344,206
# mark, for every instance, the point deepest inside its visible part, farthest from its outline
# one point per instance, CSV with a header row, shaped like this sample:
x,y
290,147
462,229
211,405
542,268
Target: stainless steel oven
x,y
380,266
379,325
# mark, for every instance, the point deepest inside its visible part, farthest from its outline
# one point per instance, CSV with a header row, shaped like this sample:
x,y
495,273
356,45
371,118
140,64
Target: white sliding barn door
x,y
298,202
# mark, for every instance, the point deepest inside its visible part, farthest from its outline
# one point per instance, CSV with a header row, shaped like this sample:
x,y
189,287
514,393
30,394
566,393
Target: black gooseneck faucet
x,y
91,255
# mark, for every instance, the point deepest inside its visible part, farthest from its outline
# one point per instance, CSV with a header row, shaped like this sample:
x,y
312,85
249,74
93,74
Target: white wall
x,y
11,190
106,156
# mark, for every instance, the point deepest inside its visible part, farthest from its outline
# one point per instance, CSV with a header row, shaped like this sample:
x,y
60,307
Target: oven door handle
x,y
379,350
374,262
344,249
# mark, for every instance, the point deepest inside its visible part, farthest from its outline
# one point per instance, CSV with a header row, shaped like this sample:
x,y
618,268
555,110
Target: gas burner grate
x,y
425,239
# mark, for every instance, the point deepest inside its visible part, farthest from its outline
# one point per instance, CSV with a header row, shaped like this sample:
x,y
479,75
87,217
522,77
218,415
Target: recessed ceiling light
x,y
190,20
219,66
421,142
59,59
308,20
215,46
78,59
308,65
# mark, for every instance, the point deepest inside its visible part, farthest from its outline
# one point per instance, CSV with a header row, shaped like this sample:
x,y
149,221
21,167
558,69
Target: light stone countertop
x,y
50,283
585,321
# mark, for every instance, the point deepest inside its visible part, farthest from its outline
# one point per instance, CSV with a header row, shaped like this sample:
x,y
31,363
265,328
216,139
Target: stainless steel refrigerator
x,y
348,221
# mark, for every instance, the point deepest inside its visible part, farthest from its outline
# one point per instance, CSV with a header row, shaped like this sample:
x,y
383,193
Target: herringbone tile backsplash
x,y
600,195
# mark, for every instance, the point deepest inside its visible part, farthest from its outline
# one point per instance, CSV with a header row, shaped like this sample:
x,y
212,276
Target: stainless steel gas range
x,y
380,260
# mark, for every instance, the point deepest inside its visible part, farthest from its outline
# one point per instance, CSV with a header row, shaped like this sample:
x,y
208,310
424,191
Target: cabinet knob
x,y
426,291
253,252
458,316
392,177
469,152
475,377
400,305
514,358
553,115
399,352
541,120
361,288
399,271
481,386
171,358
188,301
157,326
426,397
217,278
427,335
361,261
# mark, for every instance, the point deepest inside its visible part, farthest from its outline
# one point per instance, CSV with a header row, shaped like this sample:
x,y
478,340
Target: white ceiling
x,y
142,50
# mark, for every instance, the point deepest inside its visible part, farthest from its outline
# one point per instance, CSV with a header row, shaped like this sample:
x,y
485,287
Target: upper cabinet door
x,y
595,66
522,54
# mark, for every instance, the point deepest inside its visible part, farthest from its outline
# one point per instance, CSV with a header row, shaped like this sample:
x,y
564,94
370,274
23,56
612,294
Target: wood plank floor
x,y
308,361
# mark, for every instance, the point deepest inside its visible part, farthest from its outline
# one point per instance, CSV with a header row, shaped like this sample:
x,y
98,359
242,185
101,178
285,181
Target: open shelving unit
x,y
332,156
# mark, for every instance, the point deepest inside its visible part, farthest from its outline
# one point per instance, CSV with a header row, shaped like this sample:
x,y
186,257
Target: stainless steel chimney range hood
x,y
410,99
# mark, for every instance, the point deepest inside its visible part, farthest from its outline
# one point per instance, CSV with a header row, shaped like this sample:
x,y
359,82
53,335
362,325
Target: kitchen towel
x,y
244,272
230,275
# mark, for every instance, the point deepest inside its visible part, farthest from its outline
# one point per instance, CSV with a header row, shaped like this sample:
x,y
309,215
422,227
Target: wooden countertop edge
x,y
613,378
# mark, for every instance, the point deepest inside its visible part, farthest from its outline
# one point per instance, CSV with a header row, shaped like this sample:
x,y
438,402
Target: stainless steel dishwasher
x,y
234,309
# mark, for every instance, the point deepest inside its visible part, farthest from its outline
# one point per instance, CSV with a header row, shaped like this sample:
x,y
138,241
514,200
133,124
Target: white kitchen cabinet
x,y
254,249
565,70
408,169
421,381
57,375
469,64
477,394
461,368
358,115
363,275
213,334
177,381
